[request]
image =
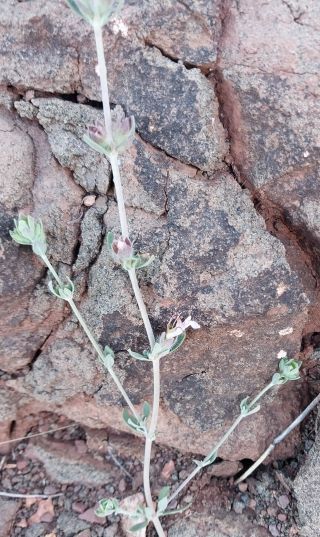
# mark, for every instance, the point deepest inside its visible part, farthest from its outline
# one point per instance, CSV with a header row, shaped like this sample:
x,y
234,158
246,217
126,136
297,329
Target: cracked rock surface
x,y
220,184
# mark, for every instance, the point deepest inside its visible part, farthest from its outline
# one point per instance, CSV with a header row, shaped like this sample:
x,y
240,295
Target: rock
x,y
34,180
168,470
65,465
66,123
130,504
273,530
238,506
177,110
84,533
90,516
269,90
111,531
283,501
215,255
8,511
70,524
225,468
307,491
218,525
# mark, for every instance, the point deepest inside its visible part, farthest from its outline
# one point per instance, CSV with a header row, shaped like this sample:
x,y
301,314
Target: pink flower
x,y
122,249
176,326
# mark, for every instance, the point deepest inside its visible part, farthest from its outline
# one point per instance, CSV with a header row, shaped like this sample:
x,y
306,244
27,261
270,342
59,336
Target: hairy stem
x,y
219,443
102,68
142,306
92,339
280,438
149,439
119,193
134,282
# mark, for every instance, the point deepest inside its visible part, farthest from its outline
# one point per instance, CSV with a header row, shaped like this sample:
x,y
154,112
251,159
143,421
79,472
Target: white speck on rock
x,y
286,331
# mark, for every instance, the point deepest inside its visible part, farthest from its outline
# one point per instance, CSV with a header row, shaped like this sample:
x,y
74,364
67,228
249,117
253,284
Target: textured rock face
x,y
179,69
307,490
269,78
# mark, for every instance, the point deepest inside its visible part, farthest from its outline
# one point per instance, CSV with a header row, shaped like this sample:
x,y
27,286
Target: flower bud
x,y
122,249
117,141
123,132
288,370
30,232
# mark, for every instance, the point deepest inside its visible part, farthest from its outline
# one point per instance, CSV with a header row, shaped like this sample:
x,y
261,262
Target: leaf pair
x,y
161,348
139,426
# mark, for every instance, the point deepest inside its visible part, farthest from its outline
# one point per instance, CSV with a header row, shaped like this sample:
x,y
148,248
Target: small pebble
x,y
243,487
283,501
84,533
282,517
90,516
89,200
273,530
122,485
167,470
29,95
78,507
238,506
252,504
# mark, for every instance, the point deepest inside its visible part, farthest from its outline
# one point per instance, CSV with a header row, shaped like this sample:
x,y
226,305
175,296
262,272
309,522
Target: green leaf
x,y
209,459
139,526
110,239
96,147
142,261
164,492
146,410
138,356
178,342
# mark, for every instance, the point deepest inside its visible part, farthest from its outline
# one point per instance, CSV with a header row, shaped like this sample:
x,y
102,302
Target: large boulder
x,y
220,253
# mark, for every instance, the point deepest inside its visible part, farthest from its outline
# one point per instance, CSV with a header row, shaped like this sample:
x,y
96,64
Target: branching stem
x,y
280,438
92,339
222,440
134,282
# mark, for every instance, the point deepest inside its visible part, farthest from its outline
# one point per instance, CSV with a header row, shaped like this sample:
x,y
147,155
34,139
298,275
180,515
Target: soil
x,y
266,498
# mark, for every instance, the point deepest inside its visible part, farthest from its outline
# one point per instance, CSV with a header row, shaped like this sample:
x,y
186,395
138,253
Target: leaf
x,y
210,459
146,410
139,526
95,146
110,238
163,499
178,342
138,356
164,492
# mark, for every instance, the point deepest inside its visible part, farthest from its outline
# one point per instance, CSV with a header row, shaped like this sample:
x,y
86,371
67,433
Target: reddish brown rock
x,y
270,95
215,258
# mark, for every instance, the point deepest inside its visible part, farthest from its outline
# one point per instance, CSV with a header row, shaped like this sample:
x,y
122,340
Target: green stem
x,y
92,339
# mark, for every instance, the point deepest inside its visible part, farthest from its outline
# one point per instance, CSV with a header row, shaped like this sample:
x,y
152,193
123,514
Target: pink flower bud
x,y
97,132
122,249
